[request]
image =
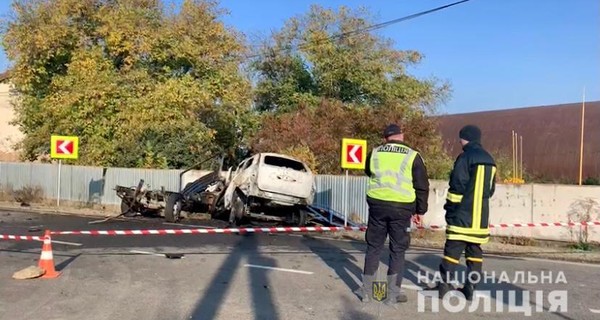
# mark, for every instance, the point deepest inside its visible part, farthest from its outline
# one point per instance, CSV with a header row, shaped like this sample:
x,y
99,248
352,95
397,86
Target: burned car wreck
x,y
269,186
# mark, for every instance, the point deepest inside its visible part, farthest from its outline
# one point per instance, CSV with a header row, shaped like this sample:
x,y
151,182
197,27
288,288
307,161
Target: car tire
x,y
302,218
126,209
238,208
299,217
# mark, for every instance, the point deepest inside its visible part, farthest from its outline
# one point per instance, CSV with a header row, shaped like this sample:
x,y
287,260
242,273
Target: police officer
x,y
472,183
398,188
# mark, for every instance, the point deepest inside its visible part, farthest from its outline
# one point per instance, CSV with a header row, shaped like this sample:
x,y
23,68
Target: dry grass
x,y
515,240
28,195
356,218
34,198
67,207
25,196
6,194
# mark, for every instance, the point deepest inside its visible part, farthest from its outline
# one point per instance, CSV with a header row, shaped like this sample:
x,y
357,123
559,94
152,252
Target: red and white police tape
x,y
543,224
294,229
13,237
205,231
273,230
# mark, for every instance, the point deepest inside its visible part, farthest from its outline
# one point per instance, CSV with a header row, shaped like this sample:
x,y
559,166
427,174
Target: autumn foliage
x,y
140,84
318,132
147,85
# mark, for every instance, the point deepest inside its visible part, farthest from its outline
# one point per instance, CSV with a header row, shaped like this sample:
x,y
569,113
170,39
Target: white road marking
x,y
411,287
278,269
146,252
595,310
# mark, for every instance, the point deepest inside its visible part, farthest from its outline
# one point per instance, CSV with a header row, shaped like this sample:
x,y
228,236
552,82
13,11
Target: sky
x,y
496,54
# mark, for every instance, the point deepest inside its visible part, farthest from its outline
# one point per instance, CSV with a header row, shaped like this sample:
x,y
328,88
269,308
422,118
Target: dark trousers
x,y
453,249
387,220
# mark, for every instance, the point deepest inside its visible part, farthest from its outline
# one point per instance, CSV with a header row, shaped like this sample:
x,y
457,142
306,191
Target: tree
x,y
139,84
314,135
319,55
319,81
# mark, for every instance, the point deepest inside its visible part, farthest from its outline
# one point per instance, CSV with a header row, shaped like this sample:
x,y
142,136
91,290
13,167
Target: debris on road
x,y
30,272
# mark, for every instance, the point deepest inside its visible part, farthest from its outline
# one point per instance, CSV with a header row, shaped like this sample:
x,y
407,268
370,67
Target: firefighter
x,y
398,188
472,183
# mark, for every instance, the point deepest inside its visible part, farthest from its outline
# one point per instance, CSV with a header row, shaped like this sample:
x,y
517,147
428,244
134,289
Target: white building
x,y
9,134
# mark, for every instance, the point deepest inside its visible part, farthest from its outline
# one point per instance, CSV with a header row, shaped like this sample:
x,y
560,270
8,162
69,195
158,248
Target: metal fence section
x,y
14,176
331,193
97,184
79,184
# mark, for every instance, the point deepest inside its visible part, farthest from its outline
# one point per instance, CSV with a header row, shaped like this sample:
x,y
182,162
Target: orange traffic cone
x,y
46,259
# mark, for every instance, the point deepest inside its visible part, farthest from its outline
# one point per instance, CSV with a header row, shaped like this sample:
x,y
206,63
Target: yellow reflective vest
x,y
391,173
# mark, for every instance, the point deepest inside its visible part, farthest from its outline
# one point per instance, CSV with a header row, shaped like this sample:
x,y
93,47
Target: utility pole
x,y
514,162
521,159
517,157
581,144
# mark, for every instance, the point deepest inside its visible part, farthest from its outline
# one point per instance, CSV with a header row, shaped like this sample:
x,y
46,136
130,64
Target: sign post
x,y
58,183
354,155
63,147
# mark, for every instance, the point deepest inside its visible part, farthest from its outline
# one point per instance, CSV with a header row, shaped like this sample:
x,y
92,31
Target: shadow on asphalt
x,y
352,313
61,266
410,267
262,299
347,268
343,263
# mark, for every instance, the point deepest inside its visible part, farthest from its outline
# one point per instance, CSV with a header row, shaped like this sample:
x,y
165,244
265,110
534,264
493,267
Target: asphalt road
x,y
232,277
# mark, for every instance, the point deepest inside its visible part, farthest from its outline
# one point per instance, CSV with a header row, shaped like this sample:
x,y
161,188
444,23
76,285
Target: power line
x,y
409,17
369,28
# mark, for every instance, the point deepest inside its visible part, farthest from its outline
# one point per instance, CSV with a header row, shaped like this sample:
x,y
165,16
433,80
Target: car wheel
x,y
126,209
302,218
238,210
297,217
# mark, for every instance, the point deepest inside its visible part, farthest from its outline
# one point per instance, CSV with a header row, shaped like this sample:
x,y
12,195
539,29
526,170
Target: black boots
x,y
468,290
366,290
394,293
443,288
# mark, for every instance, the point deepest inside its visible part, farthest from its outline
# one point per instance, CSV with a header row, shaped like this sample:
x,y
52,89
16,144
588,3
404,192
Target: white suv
x,y
269,186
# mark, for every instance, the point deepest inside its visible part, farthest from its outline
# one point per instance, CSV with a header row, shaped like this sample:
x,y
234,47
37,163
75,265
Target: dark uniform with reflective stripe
x,y
472,183
398,188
